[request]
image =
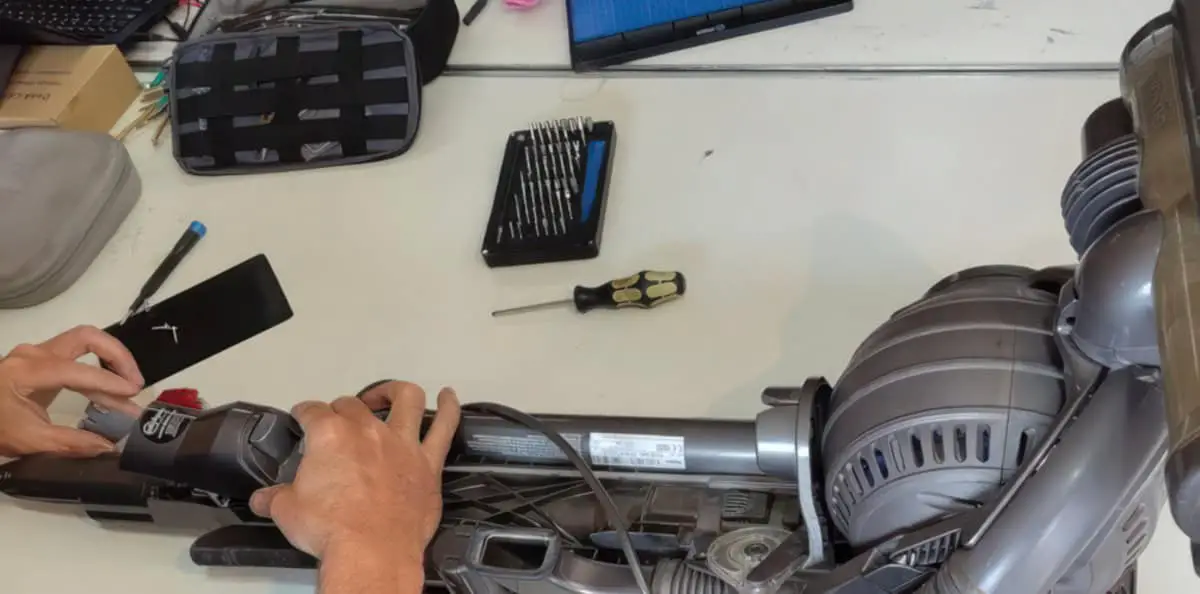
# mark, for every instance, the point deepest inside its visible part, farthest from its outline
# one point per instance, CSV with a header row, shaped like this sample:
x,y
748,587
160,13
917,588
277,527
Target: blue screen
x,y
593,19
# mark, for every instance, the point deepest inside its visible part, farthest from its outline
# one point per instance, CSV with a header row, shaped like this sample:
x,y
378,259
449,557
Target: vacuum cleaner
x,y
1011,431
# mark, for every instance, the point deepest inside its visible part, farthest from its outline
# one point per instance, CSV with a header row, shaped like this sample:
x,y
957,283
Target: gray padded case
x,y
63,194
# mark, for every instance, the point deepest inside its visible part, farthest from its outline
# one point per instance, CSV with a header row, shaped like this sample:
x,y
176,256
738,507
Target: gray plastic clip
x,y
109,424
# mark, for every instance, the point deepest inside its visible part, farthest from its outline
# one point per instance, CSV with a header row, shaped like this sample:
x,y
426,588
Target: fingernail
x,y
103,447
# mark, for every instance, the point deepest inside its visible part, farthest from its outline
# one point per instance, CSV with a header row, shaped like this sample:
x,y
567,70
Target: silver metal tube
x,y
693,446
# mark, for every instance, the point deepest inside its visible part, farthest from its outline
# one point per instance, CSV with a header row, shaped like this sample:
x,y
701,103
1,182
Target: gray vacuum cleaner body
x,y
1012,431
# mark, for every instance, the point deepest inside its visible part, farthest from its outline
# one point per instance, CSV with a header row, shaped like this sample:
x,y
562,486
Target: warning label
x,y
532,446
659,452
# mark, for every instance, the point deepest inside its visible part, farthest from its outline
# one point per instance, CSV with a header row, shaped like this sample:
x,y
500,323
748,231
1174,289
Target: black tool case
x,y
285,98
552,194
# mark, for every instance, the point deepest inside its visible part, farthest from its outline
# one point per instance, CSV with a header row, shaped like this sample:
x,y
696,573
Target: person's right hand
x,y
364,486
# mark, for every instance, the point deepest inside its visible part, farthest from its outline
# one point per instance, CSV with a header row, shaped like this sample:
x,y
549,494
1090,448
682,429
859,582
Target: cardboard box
x,y
75,87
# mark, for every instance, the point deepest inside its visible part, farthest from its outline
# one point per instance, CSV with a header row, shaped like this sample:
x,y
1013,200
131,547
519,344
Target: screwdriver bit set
x,y
552,193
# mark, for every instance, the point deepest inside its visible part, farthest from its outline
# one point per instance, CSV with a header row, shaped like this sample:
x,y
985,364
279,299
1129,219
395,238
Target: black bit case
x,y
552,194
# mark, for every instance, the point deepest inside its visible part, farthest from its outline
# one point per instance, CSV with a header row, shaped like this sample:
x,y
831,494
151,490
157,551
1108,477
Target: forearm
x,y
364,569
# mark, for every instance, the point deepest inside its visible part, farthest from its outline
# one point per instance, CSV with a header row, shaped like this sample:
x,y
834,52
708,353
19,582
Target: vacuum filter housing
x,y
942,403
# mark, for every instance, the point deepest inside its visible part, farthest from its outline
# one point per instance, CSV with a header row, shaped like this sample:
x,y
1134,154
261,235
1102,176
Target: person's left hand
x,y
31,376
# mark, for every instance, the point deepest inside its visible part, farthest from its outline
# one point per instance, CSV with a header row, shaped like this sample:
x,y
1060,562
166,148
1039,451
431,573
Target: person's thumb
x,y
262,500
68,441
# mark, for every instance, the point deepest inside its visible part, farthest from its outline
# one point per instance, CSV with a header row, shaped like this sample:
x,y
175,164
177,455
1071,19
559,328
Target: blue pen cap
x,y
198,228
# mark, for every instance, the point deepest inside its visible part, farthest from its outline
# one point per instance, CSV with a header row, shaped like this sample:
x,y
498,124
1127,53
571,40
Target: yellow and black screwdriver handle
x,y
646,289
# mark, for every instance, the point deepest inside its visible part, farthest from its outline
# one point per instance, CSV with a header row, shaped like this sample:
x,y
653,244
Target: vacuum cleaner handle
x,y
1155,75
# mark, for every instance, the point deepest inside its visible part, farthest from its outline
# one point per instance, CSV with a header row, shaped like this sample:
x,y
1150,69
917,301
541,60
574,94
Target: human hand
x,y
363,485
31,376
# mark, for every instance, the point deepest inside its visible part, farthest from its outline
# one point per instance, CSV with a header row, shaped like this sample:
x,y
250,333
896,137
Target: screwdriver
x,y
186,242
646,289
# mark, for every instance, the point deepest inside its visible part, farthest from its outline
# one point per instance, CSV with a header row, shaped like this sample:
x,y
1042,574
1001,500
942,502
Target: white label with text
x,y
532,446
659,452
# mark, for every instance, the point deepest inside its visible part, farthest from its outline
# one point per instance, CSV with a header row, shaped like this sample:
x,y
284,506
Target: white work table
x,y
877,34
804,210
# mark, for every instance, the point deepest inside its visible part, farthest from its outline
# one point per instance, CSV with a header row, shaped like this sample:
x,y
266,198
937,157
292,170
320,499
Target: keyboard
x,y
78,22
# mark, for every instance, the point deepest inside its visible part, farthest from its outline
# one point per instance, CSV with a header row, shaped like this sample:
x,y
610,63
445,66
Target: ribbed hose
x,y
676,577
1101,192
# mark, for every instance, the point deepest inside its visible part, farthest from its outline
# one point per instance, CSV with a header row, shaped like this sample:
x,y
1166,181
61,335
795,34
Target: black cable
x,y
180,32
154,37
473,12
513,415
610,508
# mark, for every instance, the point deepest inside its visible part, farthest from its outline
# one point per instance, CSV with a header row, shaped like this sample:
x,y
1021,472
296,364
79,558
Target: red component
x,y
185,397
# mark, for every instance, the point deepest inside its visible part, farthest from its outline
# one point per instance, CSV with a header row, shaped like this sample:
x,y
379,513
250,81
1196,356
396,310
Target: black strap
x,y
287,108
279,99
220,129
254,70
302,132
311,96
350,78
433,32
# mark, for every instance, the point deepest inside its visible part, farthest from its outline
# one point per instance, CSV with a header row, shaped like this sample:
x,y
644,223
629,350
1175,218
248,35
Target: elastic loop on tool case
x,y
350,77
305,132
220,129
330,96
287,108
254,70
433,28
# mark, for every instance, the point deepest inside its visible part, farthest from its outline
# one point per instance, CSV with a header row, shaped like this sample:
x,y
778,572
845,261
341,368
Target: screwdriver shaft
x,y
546,173
562,142
565,171
528,308
516,203
538,205
560,188
540,184
529,219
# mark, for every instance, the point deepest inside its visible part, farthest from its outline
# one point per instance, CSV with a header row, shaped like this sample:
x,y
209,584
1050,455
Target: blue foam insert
x,y
593,19
591,178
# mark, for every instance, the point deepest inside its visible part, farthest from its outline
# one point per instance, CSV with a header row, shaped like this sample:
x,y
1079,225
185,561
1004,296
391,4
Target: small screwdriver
x,y
646,289
186,242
